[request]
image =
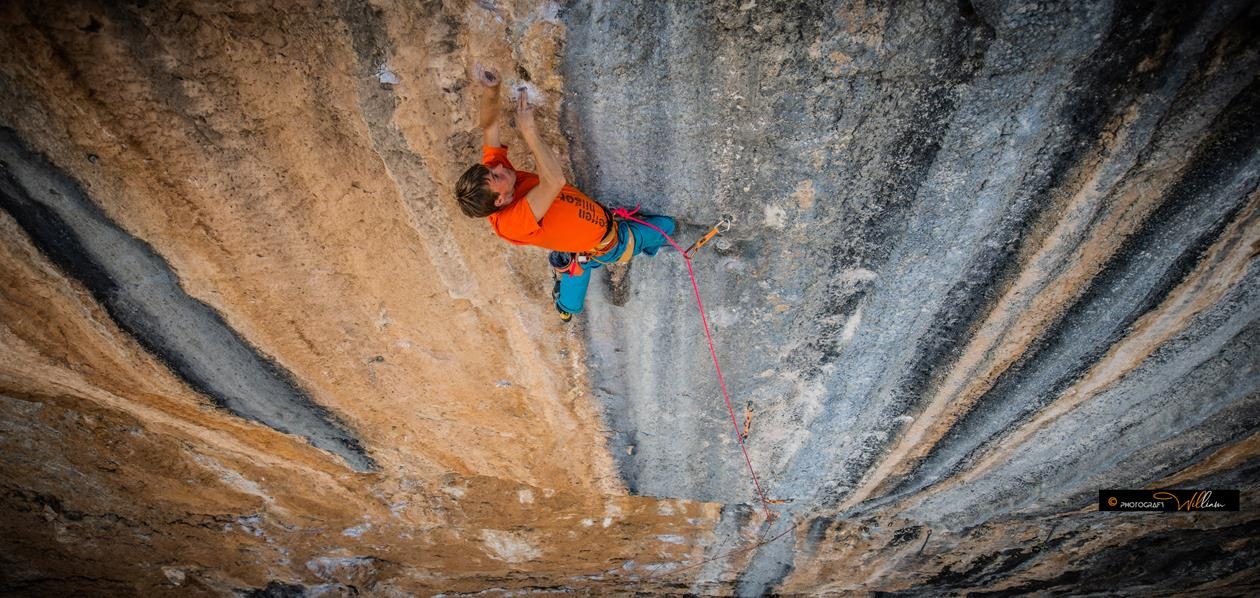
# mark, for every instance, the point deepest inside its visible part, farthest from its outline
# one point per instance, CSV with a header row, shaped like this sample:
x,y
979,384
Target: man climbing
x,y
543,209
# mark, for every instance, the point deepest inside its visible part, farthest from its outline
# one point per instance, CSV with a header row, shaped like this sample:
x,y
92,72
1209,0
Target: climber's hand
x,y
524,112
486,76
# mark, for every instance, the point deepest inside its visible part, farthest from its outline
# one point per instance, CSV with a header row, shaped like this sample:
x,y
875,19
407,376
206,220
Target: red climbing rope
x,y
629,215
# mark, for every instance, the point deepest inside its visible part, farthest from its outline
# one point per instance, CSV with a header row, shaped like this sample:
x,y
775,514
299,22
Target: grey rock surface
x,y
977,210
988,259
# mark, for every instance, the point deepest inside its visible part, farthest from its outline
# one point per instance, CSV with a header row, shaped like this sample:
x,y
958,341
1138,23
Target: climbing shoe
x,y
555,294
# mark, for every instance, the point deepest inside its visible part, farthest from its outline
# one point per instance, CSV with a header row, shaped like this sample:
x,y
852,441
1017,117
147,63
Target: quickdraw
x,y
723,225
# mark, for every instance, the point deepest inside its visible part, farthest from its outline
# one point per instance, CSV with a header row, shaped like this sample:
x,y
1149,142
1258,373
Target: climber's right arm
x,y
488,111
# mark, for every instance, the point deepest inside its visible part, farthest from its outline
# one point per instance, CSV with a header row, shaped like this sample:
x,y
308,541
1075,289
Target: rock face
x,y
987,259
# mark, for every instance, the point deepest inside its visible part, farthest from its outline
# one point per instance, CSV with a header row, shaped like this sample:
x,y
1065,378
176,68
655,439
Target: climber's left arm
x,y
550,174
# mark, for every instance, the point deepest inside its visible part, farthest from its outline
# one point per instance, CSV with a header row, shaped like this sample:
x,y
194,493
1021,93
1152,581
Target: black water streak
x,y
141,293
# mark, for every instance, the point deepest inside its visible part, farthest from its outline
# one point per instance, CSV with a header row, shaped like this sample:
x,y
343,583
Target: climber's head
x,y
483,189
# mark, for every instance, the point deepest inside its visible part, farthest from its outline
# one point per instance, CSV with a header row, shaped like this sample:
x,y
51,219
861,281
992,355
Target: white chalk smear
x,y
776,217
387,76
509,547
356,531
851,326
550,13
855,275
532,95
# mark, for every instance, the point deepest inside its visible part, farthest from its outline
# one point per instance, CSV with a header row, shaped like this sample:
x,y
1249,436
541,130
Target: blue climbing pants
x,y
646,240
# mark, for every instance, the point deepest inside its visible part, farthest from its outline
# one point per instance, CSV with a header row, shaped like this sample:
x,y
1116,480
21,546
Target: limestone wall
x,y
988,258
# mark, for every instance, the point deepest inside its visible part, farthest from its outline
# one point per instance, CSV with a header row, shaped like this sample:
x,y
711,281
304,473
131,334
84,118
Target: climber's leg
x,y
571,290
646,239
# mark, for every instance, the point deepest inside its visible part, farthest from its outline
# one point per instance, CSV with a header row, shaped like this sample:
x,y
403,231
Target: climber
x,y
543,209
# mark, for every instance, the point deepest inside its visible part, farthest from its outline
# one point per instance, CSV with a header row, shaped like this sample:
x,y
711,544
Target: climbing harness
x,y
564,262
571,263
610,239
626,254
704,319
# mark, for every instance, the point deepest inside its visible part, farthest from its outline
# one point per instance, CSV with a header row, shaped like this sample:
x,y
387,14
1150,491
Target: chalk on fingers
x,y
531,93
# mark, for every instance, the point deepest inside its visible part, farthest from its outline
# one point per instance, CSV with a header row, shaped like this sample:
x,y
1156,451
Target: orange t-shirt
x,y
574,222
